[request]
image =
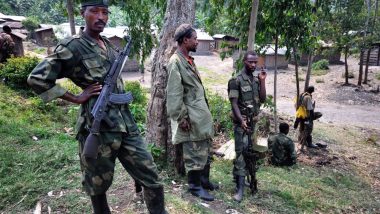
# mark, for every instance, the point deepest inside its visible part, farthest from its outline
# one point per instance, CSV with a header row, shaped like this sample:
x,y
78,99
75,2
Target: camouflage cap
x,y
103,3
182,30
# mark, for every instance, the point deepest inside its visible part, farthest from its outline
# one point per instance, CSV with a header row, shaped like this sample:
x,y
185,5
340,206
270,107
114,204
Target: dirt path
x,y
339,105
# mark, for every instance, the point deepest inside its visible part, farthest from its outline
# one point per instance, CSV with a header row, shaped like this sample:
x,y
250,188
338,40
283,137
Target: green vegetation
x,y
320,80
16,70
318,72
39,162
377,76
39,50
139,104
320,65
37,155
221,112
31,23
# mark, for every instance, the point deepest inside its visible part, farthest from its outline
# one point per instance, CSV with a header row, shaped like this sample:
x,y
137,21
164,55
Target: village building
x,y
326,51
374,57
44,36
224,42
206,44
18,32
267,58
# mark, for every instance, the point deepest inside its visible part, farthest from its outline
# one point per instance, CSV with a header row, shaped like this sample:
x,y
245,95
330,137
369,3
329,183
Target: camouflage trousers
x,y
132,153
305,131
241,143
196,154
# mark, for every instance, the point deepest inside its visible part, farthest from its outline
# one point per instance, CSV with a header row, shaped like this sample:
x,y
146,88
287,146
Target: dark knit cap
x,y
101,3
182,30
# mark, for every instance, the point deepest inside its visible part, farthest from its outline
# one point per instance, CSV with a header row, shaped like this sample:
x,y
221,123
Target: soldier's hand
x,y
244,125
184,124
87,93
262,74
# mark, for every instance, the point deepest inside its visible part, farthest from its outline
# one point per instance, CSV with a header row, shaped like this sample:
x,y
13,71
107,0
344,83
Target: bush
x,y
16,70
139,95
139,104
321,65
30,23
220,110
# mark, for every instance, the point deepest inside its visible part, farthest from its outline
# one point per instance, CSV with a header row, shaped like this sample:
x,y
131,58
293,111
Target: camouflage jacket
x,y
81,60
186,99
6,43
282,149
245,91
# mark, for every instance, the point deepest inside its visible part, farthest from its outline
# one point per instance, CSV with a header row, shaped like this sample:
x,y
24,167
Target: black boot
x,y
205,179
309,142
100,205
195,187
154,200
239,189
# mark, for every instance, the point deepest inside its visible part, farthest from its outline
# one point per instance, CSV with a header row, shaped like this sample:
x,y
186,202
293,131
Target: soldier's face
x,y
96,18
251,62
192,42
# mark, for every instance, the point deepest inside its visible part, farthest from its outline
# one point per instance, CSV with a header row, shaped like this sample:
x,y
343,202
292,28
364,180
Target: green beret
x,y
182,30
103,3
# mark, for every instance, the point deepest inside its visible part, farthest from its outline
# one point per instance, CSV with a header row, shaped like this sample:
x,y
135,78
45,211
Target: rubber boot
x,y
195,187
239,189
310,143
205,179
154,200
100,205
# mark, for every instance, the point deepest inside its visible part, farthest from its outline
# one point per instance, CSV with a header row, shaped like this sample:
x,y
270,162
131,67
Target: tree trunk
x,y
252,25
310,59
158,123
375,16
346,65
297,76
361,67
366,66
70,14
275,85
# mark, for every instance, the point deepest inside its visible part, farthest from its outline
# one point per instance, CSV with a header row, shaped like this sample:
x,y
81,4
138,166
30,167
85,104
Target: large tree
x,y
158,131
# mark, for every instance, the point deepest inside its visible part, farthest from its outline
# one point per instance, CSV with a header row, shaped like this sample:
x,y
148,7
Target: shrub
x,y
321,65
377,76
30,23
139,95
16,70
220,110
139,104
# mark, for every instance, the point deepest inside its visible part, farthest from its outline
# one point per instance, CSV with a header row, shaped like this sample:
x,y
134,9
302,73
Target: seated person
x,y
281,148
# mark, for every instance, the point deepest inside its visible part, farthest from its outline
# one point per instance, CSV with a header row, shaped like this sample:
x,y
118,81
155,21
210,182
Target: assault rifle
x,y
249,154
106,97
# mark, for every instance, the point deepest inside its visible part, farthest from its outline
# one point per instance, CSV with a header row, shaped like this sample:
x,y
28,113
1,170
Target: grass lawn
x,y
39,163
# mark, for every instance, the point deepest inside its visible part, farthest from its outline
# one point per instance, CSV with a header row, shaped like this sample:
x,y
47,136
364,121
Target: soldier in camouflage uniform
x,y
282,148
85,59
244,90
6,44
187,107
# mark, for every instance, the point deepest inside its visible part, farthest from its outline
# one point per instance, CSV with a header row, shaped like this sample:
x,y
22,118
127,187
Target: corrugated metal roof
x,y
269,50
20,35
43,29
14,18
201,35
218,36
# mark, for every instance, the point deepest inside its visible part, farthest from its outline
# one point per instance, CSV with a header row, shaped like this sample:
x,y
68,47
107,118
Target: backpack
x,y
301,112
